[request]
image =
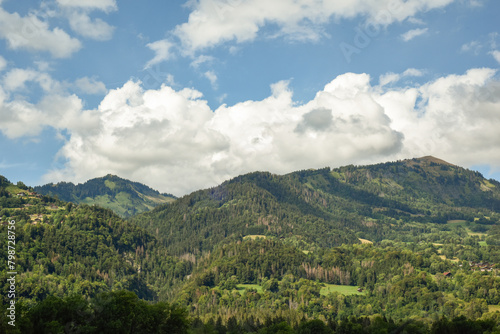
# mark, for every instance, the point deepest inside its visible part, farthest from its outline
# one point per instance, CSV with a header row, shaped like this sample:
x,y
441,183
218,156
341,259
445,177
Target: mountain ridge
x,y
123,196
325,206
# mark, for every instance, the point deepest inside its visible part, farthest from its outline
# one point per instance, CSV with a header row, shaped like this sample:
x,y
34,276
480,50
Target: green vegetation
x,y
342,289
263,253
124,197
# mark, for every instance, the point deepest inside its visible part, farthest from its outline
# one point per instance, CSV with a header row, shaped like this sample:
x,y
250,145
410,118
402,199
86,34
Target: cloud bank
x,y
172,140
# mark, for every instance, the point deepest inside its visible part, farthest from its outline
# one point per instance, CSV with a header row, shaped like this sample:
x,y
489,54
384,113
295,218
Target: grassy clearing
x,y
443,257
493,308
249,286
254,236
482,243
14,189
343,289
365,241
456,221
476,233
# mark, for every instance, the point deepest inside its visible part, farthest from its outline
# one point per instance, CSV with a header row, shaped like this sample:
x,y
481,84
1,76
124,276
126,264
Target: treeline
x,y
111,312
123,312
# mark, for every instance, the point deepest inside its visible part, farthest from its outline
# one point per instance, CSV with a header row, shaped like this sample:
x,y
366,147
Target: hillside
x,y
408,246
63,249
124,197
327,207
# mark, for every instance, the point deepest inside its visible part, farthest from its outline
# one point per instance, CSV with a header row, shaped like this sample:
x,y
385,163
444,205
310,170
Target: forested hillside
x,y
327,207
124,197
63,249
403,247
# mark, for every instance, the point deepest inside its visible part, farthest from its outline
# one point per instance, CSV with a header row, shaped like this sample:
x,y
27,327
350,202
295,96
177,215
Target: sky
x,y
183,95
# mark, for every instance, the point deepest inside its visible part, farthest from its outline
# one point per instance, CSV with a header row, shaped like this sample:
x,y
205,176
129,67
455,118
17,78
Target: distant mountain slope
x,y
124,197
325,207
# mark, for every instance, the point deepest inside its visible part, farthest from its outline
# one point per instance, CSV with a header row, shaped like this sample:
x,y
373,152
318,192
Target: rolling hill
x,y
124,197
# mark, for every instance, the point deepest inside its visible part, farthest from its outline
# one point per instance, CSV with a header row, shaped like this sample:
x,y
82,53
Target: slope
x,y
63,249
124,197
326,207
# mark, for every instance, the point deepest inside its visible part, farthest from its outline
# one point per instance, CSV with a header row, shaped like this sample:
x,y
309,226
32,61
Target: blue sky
x,y
184,95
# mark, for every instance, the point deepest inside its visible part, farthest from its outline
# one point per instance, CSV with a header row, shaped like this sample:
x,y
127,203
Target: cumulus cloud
x,y
17,78
457,119
172,140
97,29
411,34
212,22
78,15
56,108
32,34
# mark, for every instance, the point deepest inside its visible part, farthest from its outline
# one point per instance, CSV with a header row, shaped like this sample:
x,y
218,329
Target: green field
x,y
254,236
343,289
328,288
249,286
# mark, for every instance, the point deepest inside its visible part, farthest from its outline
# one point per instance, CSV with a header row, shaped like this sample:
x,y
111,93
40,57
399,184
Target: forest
x,y
404,247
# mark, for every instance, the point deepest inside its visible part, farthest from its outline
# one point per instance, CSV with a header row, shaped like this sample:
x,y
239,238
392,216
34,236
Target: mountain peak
x,y
430,158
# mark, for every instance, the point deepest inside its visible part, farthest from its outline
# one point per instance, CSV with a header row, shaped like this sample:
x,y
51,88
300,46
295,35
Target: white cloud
x,y
96,29
415,20
202,59
496,55
103,5
457,120
212,77
90,86
389,78
413,72
32,34
472,46
164,137
162,52
217,21
56,108
411,34
173,141
16,79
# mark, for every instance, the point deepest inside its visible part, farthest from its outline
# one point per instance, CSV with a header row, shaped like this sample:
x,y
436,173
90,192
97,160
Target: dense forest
x,y
403,247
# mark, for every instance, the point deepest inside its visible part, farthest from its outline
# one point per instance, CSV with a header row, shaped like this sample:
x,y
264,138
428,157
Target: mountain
x,y
407,246
62,249
326,207
124,197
